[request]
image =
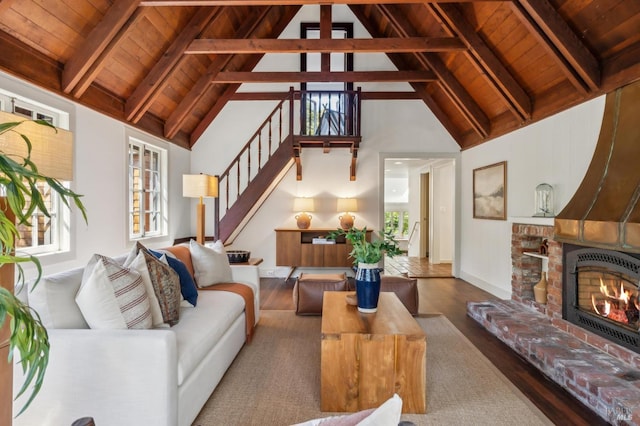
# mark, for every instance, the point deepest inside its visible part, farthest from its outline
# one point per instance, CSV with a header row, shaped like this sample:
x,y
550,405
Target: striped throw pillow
x,y
112,296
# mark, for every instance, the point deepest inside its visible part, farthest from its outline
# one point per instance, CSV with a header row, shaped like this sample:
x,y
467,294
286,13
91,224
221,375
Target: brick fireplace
x,y
601,374
526,272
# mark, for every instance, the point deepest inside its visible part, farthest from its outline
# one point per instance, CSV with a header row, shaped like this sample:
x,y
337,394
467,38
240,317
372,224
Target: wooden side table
x,y
366,358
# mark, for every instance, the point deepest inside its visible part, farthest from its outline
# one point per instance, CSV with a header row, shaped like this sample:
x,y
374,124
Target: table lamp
x,y
200,186
304,206
347,205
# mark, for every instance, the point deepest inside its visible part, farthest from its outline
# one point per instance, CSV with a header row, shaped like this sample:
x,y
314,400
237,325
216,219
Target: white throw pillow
x,y
387,414
53,299
139,264
210,266
113,297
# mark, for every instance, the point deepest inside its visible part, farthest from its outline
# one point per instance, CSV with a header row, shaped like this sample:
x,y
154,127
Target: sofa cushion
x,y
139,264
166,284
54,299
113,297
210,266
187,285
200,329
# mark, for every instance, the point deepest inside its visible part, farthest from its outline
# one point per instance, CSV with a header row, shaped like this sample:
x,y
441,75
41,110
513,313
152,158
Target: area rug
x,y
276,379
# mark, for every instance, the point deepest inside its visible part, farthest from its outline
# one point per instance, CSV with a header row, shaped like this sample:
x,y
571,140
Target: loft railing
x,y
254,155
329,113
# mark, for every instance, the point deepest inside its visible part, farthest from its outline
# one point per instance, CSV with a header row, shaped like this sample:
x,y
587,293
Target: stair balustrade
x,y
325,119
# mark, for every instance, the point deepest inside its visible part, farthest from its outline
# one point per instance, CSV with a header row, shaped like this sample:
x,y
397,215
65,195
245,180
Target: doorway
x,y
418,203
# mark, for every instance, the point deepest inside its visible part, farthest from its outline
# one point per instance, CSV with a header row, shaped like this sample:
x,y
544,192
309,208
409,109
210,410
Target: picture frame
x,y
490,192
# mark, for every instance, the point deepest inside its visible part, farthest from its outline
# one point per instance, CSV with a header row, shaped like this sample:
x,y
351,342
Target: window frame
x,y
158,186
60,215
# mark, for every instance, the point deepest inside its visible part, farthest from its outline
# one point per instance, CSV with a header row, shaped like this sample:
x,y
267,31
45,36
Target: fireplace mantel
x,y
531,220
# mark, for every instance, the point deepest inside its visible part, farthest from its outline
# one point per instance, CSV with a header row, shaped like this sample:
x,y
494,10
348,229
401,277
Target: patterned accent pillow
x,y
166,284
139,264
187,286
112,296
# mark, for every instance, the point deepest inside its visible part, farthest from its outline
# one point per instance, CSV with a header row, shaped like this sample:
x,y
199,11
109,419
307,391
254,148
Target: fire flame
x,y
616,302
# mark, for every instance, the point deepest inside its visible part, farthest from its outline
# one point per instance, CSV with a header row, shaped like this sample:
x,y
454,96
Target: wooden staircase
x,y
277,144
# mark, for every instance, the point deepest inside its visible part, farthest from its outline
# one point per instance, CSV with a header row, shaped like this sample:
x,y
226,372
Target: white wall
x,y
100,175
391,126
557,151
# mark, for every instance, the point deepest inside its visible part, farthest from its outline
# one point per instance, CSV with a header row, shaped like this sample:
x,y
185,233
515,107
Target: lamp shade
x,y
303,205
201,185
347,205
51,149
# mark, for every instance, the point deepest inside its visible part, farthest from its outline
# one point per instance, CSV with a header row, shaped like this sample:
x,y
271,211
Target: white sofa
x,y
134,377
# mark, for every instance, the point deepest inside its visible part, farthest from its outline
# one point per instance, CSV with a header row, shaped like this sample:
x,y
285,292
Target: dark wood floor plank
x,y
449,296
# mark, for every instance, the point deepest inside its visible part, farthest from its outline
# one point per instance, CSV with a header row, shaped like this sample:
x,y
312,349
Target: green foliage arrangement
x,y
18,178
368,251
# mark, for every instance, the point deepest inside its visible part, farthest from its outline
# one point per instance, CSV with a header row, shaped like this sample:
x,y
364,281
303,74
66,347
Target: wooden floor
x,y
449,296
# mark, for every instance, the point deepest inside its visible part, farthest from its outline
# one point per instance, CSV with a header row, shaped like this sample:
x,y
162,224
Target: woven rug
x,y
276,379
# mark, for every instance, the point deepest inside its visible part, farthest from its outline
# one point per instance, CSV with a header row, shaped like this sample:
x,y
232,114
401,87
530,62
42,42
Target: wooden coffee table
x,y
366,358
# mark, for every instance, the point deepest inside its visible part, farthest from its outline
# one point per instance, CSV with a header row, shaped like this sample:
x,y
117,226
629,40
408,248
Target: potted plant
x,y
366,257
18,181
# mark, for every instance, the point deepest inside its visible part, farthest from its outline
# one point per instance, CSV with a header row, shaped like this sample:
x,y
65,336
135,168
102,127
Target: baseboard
x,y
496,291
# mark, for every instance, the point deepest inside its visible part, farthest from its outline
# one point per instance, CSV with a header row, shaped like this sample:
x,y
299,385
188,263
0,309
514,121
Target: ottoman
x,y
405,288
309,289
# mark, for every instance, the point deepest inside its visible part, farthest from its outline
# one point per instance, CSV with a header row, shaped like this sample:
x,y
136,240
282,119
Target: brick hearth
x,y
603,375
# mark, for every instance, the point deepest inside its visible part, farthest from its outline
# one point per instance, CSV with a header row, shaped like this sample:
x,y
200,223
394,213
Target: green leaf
x,y
28,337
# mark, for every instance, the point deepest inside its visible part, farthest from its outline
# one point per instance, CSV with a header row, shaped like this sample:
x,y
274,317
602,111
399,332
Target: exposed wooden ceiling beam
x,y
97,42
486,61
96,67
285,2
365,96
565,40
151,86
537,33
420,88
180,114
326,30
321,76
447,81
283,21
399,44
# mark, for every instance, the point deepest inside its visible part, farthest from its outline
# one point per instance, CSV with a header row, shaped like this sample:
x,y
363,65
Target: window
x,y
43,234
146,195
396,223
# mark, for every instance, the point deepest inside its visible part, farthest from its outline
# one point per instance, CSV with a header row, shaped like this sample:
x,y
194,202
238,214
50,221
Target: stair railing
x,y
253,156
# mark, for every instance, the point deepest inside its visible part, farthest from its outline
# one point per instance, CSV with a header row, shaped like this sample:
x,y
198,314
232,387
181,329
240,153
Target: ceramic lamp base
x,y
303,220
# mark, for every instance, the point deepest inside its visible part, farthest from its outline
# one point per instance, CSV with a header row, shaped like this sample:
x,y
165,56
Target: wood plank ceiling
x,y
484,68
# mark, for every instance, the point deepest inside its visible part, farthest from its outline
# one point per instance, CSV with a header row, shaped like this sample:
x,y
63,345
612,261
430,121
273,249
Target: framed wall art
x,y
490,192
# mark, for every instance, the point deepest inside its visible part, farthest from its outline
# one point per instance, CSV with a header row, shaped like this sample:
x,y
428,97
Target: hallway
x,y
416,267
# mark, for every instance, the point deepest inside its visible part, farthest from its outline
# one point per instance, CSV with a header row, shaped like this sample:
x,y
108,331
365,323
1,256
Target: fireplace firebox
x,y
601,293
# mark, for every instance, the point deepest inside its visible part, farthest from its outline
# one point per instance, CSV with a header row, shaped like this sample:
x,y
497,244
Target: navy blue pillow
x,y
187,286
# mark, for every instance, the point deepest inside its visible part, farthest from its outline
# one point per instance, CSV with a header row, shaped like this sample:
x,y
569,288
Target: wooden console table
x,y
294,247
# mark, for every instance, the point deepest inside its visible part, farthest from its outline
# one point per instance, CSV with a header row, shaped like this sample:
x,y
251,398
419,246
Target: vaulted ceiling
x,y
484,68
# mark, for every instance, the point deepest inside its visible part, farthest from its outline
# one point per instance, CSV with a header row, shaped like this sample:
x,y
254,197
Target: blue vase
x,y
368,287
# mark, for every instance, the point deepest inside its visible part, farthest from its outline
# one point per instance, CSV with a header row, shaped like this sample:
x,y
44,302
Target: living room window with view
x,y
44,234
147,202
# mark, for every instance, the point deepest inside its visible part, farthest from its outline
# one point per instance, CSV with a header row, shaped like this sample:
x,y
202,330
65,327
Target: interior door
x,y
424,215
